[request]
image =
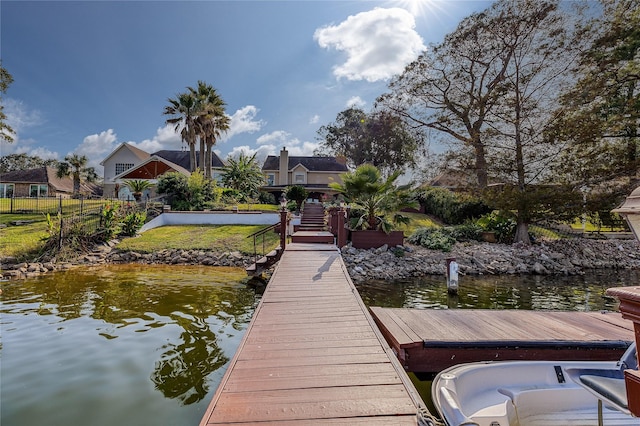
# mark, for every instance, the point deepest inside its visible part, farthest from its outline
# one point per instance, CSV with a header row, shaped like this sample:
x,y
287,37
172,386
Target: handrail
x,y
263,230
256,234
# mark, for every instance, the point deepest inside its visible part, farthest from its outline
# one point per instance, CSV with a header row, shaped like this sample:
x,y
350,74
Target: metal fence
x,y
51,205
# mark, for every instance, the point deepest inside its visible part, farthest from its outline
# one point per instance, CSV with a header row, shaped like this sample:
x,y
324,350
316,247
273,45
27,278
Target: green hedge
x,y
450,207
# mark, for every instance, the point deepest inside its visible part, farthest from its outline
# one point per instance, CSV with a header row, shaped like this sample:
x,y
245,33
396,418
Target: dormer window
x,y
299,178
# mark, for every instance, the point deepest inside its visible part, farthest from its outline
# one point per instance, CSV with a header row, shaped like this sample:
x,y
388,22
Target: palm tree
x,y
212,121
137,187
184,110
374,199
243,175
75,165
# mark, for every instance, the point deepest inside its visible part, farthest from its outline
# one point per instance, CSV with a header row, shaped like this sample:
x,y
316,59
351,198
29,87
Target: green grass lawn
x,y
201,237
418,220
23,240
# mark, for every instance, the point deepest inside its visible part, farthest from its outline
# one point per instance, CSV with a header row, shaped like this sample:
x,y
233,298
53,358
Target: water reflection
x,y
72,339
579,293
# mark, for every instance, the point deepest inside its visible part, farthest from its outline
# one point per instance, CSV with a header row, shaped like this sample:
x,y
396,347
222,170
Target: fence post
x,y
81,204
12,198
60,205
60,235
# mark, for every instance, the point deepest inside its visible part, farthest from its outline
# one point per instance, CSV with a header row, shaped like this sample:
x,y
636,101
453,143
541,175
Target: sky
x,y
90,75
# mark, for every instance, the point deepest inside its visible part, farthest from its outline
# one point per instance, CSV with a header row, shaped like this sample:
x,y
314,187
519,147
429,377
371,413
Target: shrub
x,y
132,223
503,226
188,193
467,232
298,194
452,208
266,198
433,238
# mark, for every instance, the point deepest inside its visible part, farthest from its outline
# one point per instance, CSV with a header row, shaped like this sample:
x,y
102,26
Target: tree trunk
x,y
522,233
207,158
481,165
192,156
202,153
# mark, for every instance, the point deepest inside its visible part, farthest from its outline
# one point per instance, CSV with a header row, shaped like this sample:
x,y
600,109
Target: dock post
x,y
342,231
452,275
629,298
283,222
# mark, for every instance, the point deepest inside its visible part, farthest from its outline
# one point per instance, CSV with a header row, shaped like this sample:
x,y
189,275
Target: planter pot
x,y
489,237
375,239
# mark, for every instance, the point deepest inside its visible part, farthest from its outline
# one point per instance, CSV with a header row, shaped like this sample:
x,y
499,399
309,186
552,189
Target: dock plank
x,y
312,354
430,340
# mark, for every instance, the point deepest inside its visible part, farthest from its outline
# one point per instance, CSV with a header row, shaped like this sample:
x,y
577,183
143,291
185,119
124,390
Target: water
x,y
534,292
148,345
128,345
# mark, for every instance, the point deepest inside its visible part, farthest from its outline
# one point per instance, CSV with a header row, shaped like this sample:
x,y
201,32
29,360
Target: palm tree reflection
x,y
182,371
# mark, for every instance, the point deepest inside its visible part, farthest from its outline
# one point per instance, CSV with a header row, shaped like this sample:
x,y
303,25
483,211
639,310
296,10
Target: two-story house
x,y
313,173
128,162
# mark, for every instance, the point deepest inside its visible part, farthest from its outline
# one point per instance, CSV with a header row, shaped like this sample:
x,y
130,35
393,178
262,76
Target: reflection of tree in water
x,y
151,297
183,369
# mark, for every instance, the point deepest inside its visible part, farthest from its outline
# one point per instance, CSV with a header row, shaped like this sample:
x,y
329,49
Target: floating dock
x,y
430,340
313,354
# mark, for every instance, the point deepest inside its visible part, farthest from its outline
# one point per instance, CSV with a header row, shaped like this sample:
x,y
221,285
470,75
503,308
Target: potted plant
x,y
137,187
376,205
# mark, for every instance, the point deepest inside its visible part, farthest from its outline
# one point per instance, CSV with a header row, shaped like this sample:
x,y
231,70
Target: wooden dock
x,y
312,354
430,340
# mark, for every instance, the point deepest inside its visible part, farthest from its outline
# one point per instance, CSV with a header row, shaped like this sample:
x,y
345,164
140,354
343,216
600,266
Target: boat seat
x,y
611,389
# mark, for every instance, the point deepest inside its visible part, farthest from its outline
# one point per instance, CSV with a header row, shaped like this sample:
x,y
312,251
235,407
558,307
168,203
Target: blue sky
x,y
89,75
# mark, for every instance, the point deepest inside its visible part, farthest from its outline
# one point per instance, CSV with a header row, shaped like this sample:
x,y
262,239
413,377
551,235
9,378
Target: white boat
x,y
532,393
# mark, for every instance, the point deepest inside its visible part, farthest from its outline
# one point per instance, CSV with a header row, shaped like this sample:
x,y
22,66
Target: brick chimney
x,y
284,167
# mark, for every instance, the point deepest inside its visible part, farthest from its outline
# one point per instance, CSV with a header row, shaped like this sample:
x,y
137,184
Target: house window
x,y
271,179
123,167
299,178
6,190
38,190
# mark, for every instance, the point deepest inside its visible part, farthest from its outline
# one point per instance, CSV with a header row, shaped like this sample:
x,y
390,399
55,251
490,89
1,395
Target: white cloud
x,y
378,43
19,116
315,119
356,101
278,136
165,138
305,149
261,152
96,147
243,121
26,146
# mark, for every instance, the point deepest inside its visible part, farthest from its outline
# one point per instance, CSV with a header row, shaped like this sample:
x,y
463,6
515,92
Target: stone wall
x,y
568,257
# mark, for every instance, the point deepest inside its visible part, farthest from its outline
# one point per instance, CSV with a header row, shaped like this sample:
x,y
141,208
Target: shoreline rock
x,y
561,257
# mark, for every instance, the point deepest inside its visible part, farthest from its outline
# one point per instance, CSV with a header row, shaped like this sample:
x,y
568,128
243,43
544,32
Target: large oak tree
x,y
492,87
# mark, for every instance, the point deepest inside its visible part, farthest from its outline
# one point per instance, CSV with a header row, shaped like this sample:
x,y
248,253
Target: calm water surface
x,y
122,345
133,345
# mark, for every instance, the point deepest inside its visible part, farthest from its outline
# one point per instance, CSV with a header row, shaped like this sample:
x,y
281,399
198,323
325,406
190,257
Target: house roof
x,y
142,155
181,158
313,164
151,168
47,175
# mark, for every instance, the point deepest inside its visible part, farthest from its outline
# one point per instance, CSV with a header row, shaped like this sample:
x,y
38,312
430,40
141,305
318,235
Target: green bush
x,y
266,198
188,193
132,223
433,238
501,224
466,232
452,208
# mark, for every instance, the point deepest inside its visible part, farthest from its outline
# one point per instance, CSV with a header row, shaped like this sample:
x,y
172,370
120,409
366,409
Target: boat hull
x,y
518,393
